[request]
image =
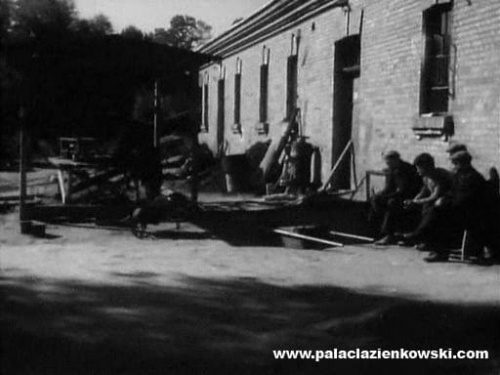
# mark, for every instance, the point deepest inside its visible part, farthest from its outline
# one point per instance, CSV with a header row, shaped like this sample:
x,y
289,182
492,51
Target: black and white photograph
x,y
258,187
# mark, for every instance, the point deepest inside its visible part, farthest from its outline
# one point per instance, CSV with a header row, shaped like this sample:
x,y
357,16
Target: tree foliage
x,y
185,32
132,32
41,18
47,19
5,16
98,25
59,68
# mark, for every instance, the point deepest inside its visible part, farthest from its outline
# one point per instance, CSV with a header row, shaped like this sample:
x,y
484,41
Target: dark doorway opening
x,y
346,74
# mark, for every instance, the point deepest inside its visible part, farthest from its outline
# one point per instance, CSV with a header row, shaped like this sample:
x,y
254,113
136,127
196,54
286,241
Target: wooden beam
x,y
353,236
336,166
307,238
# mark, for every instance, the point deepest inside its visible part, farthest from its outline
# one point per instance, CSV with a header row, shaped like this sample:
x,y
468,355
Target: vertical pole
x,y
464,246
22,172
70,182
155,119
62,188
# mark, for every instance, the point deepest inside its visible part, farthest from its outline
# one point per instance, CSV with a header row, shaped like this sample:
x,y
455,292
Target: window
x,y
204,106
264,85
237,93
220,98
435,79
291,79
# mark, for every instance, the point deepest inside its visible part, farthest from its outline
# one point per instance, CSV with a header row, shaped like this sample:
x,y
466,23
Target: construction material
x,y
353,236
307,238
464,244
62,187
48,213
337,165
33,228
274,152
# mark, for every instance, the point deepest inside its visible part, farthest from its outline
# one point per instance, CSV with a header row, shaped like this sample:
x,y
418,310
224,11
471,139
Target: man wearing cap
x,y
471,205
402,183
455,147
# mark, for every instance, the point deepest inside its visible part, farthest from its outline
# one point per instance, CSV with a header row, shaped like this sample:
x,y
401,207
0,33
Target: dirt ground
x,y
100,301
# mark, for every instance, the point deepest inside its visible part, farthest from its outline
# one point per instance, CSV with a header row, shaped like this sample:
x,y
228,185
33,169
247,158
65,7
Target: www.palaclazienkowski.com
x,y
318,355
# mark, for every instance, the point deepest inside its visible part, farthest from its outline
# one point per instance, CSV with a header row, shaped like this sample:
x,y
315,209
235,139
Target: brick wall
x,y
388,88
392,46
315,88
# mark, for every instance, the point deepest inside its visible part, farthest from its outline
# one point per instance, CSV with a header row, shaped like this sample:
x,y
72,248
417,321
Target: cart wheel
x,y
139,230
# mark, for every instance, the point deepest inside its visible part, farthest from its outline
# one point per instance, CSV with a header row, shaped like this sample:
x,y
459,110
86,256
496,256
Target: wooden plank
x,y
353,236
62,187
337,165
50,212
307,238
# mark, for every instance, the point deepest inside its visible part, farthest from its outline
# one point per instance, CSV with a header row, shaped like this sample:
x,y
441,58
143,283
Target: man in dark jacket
x,y
471,205
402,183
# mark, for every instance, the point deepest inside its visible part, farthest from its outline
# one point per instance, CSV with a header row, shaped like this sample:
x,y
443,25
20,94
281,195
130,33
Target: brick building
x,y
409,75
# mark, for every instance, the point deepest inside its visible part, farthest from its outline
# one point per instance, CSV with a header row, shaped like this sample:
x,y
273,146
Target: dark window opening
x,y
204,119
220,107
435,81
237,98
291,86
264,83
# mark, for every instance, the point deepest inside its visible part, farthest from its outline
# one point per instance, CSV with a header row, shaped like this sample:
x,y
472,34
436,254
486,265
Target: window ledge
x,y
236,128
434,126
262,128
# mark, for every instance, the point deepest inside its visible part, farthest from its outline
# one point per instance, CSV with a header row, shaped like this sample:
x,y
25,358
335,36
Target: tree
x,y
132,32
5,18
101,24
42,18
98,25
184,32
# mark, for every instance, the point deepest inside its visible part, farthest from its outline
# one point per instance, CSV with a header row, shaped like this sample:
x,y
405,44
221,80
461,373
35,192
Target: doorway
x,y
345,106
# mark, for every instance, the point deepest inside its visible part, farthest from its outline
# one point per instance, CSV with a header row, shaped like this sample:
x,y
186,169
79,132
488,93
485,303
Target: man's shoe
x,y
436,257
387,240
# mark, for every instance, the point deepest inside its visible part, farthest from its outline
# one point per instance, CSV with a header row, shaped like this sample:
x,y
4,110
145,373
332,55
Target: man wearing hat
x,y
455,147
402,183
471,205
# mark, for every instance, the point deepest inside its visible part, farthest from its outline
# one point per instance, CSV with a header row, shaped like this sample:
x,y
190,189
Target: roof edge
x,y
275,15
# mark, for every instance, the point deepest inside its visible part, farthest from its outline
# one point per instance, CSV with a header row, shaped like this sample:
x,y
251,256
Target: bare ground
x,y
92,301
96,301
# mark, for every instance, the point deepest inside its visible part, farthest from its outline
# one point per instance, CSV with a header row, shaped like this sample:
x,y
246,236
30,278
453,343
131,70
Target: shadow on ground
x,y
206,326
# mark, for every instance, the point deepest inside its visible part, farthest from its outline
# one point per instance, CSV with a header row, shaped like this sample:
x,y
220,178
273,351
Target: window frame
x,y
264,86
292,69
237,92
221,100
205,103
436,79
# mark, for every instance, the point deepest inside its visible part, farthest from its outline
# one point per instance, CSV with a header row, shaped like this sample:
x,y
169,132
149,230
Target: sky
x,y
150,14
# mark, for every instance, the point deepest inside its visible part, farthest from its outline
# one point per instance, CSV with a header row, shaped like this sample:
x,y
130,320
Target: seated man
x,y
455,147
471,205
402,183
437,184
